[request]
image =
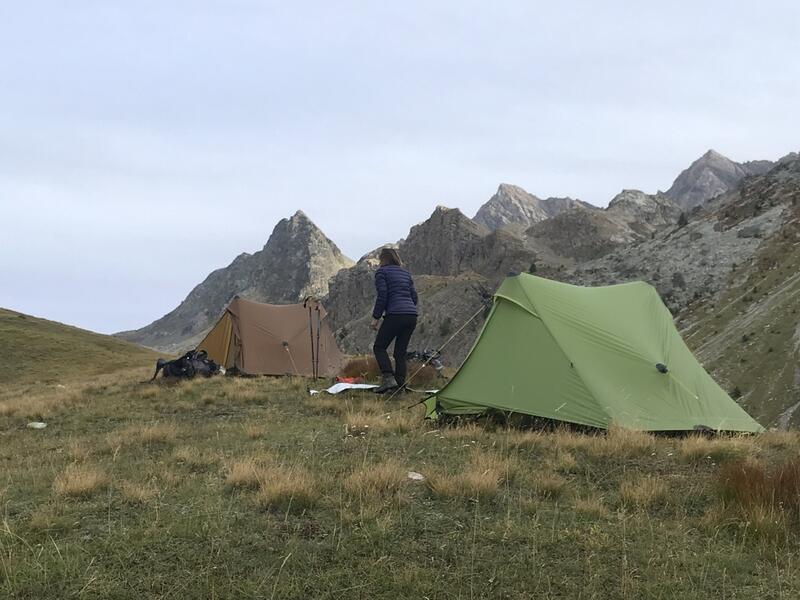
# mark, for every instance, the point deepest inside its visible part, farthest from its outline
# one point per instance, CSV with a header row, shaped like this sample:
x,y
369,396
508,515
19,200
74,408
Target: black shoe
x,y
387,383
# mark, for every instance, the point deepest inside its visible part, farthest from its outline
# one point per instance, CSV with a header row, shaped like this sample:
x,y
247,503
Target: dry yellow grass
x,y
158,433
564,462
380,482
398,422
696,448
515,438
244,391
193,456
137,493
326,405
246,473
150,391
643,492
46,517
506,467
286,488
548,485
41,404
80,480
778,439
619,442
154,433
469,431
78,451
764,522
481,477
470,484
568,441
591,507
170,478
254,431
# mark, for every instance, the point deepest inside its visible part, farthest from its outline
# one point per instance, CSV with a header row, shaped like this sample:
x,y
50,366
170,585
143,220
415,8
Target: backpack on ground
x,y
187,366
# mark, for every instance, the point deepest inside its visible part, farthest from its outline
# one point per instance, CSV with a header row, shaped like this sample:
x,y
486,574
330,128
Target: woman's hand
x,y
375,323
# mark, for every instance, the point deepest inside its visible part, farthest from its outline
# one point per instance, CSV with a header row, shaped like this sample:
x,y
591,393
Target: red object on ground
x,y
349,380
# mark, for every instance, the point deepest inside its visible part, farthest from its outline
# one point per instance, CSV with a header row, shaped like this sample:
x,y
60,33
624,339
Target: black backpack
x,y
187,366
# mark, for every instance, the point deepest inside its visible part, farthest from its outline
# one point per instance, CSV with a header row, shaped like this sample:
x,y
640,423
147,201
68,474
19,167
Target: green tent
x,y
590,356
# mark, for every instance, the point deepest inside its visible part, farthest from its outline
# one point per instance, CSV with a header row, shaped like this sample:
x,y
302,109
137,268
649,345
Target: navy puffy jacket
x,y
396,293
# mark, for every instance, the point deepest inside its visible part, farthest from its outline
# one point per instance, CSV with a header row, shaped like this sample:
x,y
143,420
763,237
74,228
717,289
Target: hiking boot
x,y
387,383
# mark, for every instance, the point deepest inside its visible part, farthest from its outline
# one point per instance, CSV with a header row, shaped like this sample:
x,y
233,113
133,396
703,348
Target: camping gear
x,y
344,386
187,366
273,339
313,306
428,356
590,356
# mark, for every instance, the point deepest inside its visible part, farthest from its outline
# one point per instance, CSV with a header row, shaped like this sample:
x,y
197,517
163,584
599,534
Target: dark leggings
x,y
398,328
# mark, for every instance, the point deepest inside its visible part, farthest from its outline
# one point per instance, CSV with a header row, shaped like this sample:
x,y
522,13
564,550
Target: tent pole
x,y
319,326
311,334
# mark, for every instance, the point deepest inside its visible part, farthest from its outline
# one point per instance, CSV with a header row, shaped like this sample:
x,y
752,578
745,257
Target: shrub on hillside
x,y
750,483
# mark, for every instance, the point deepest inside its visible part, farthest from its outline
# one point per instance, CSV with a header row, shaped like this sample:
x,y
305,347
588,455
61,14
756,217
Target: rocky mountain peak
x,y
712,155
512,205
298,227
711,175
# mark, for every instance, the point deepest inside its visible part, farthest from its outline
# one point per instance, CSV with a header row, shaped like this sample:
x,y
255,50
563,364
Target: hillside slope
x,y
749,336
731,277
38,350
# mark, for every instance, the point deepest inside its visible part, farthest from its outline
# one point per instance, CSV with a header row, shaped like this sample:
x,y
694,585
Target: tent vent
x,y
662,368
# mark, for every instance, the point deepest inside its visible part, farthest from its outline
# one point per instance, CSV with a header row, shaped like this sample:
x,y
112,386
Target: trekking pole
x,y
311,334
319,326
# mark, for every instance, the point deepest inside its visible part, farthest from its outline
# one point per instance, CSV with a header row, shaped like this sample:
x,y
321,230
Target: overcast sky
x,y
145,143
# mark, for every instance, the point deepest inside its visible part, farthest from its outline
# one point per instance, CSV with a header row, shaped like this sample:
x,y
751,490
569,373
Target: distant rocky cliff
x,y
586,232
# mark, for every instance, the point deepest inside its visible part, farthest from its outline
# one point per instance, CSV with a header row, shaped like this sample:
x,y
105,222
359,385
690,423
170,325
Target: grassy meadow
x,y
34,350
251,488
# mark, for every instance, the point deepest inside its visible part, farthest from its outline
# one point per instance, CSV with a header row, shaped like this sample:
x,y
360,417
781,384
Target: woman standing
x,y
396,302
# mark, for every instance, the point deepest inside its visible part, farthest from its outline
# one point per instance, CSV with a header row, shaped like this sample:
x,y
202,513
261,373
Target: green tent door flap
x,y
591,356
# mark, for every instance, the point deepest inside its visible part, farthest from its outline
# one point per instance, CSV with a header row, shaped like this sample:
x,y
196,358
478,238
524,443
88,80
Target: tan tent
x,y
274,339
